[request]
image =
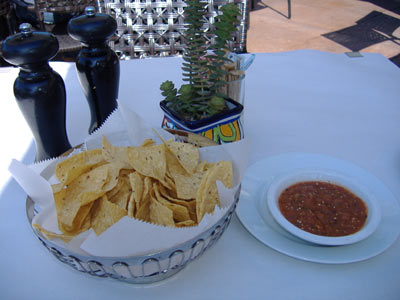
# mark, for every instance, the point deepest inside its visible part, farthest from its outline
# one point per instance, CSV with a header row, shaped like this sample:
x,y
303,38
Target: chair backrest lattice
x,y
156,27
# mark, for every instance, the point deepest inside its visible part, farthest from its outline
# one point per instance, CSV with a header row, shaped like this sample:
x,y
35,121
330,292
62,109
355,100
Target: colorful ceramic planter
x,y
222,128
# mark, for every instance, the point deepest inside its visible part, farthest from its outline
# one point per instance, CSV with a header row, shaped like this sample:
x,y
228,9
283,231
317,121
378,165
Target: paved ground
x,y
329,25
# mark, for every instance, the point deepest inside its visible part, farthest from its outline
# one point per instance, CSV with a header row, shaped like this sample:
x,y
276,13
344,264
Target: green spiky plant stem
x,y
193,67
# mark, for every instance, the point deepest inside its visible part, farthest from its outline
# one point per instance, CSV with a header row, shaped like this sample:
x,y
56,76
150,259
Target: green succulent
x,y
204,74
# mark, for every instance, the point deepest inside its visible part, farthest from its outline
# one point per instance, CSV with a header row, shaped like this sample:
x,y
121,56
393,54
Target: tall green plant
x,y
203,74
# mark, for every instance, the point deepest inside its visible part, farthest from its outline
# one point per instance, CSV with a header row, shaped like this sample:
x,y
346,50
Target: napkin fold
x,y
33,184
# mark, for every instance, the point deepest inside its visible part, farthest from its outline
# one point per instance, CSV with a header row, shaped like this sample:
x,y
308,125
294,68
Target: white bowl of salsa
x,y
323,207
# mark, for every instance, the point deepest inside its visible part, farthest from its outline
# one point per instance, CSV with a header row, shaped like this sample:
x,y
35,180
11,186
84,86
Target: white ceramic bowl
x,y
282,182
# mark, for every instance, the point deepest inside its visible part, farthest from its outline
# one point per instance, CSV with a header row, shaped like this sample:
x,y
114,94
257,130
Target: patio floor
x,y
329,25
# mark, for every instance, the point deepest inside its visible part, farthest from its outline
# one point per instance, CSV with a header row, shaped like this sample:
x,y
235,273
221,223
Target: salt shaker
x,y
97,65
38,89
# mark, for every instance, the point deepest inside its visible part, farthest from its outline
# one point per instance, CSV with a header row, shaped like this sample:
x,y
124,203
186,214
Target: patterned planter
x,y
222,128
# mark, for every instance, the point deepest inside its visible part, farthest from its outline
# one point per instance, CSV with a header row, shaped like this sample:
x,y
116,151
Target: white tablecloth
x,y
301,101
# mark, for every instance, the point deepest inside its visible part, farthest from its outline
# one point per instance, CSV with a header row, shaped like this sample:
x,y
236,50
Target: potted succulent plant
x,y
200,105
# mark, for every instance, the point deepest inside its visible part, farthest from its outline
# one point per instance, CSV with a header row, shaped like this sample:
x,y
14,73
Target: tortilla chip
x,y
121,198
191,207
207,194
148,142
105,214
189,204
161,214
81,191
81,221
143,209
173,165
74,166
52,235
148,161
187,223
203,166
180,212
131,206
112,176
186,154
137,185
187,186
113,154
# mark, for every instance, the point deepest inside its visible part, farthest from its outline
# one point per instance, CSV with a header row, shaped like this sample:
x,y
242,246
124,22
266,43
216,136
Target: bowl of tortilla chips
x,y
165,184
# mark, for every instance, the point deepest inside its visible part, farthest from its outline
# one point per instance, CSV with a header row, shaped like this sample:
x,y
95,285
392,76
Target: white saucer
x,y
254,214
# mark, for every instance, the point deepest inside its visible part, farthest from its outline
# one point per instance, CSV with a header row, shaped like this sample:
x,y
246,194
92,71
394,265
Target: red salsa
x,y
323,208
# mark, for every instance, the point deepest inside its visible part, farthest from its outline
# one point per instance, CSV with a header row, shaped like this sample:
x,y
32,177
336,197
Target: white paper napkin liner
x,y
33,184
127,126
139,130
111,124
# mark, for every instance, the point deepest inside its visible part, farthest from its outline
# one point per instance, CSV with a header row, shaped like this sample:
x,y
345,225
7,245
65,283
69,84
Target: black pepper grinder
x,y
97,65
38,89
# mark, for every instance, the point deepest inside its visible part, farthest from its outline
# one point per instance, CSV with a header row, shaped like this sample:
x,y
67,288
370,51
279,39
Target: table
x,y
306,101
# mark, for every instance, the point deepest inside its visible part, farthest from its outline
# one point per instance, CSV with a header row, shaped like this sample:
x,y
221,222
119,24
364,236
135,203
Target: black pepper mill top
x,y
38,89
92,27
97,65
28,47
